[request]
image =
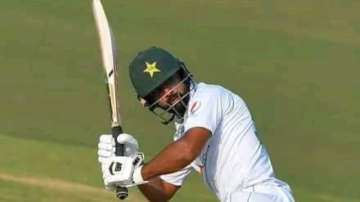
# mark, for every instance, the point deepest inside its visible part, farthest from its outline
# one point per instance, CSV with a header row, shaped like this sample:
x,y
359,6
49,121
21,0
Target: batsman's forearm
x,y
172,158
152,193
155,191
178,154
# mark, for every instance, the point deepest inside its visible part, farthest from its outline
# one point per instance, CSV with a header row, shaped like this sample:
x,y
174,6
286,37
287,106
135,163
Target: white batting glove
x,y
122,171
106,146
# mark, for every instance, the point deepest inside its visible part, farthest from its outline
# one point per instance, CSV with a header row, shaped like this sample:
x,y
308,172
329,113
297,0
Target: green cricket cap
x,y
151,68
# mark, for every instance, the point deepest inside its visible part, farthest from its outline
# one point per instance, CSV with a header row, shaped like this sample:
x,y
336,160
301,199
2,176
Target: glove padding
x,y
122,171
106,146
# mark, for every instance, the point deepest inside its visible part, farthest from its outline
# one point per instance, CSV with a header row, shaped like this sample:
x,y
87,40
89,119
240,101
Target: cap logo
x,y
151,68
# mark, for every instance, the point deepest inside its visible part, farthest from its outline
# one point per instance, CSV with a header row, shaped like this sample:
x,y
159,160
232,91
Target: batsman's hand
x,y
106,146
122,171
128,172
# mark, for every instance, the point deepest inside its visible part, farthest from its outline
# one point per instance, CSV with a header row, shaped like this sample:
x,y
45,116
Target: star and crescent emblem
x,y
151,68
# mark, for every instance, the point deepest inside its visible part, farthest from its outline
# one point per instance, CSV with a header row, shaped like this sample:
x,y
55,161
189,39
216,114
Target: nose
x,y
168,97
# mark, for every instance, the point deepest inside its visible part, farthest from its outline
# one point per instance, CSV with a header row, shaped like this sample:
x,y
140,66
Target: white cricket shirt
x,y
233,158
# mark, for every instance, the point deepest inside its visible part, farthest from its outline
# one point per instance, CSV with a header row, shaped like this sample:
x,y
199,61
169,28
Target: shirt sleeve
x,y
205,111
177,178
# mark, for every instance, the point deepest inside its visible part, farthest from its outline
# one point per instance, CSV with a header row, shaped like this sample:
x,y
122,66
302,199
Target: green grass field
x,y
295,63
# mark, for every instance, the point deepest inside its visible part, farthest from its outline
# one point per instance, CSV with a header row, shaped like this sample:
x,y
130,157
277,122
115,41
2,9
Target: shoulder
x,y
214,93
207,96
208,91
216,96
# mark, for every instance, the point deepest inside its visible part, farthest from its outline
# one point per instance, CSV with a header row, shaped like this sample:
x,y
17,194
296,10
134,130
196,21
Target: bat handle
x,y
121,192
119,148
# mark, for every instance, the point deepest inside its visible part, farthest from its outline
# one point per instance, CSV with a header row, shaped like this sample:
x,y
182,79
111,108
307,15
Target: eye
x,y
157,94
153,96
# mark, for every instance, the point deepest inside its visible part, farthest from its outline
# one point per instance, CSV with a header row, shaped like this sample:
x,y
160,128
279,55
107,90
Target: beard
x,y
180,108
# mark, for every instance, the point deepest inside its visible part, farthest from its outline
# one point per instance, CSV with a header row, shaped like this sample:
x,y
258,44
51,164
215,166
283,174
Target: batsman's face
x,y
170,100
171,95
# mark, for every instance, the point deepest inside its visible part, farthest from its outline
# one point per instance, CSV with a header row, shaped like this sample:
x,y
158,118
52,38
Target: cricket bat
x,y
109,54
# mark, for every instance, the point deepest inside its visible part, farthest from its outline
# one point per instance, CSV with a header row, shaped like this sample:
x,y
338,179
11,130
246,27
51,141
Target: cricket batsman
x,y
215,136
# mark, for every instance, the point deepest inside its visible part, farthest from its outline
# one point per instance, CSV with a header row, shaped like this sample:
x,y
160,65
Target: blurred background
x,y
295,63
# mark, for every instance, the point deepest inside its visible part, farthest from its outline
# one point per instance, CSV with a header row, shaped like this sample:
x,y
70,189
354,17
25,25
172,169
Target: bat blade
x,y
107,43
109,55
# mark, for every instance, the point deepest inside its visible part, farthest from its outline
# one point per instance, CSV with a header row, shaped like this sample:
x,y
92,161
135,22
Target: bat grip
x,y
119,148
121,192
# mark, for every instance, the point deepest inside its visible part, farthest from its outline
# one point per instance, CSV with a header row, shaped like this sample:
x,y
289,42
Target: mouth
x,y
176,98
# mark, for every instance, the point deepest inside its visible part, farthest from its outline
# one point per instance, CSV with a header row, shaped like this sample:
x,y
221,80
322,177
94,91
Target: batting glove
x,y
106,146
122,171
